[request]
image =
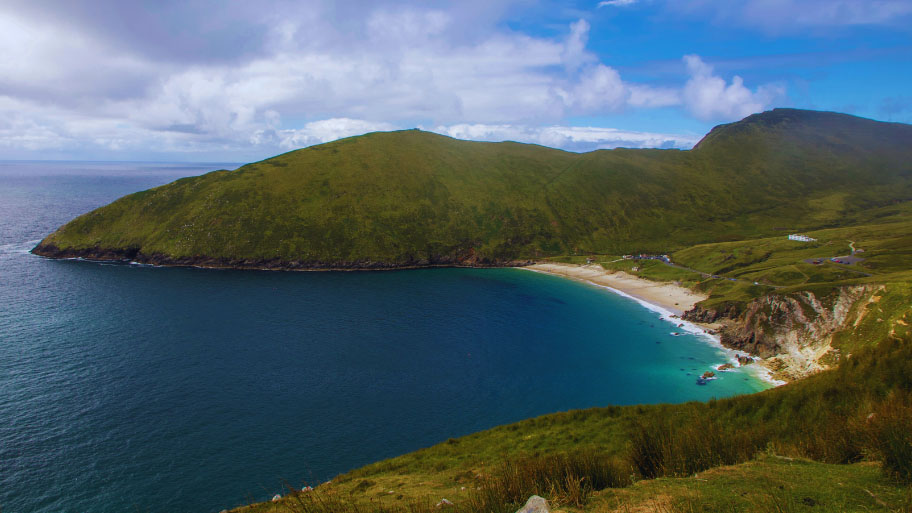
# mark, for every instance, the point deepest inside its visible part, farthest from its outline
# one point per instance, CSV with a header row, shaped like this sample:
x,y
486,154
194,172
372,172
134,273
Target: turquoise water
x,y
127,387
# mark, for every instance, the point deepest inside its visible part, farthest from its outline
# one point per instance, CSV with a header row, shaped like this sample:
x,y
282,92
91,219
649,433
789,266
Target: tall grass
x,y
568,478
825,418
322,500
889,436
688,442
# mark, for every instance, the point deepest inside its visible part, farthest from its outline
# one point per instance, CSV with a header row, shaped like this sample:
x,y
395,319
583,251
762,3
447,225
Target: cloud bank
x,y
75,82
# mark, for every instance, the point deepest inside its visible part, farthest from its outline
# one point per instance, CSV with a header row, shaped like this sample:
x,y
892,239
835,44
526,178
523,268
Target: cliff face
x,y
794,332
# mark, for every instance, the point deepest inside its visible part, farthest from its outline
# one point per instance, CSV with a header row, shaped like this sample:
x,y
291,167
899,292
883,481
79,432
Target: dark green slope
x,y
413,198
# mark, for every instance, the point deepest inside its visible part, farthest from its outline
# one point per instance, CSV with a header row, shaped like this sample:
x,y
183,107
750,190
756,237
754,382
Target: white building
x,y
802,238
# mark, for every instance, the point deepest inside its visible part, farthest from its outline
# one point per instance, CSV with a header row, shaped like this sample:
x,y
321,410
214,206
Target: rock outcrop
x,y
791,332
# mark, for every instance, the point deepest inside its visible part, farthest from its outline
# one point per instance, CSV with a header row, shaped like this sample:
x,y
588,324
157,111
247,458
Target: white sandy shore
x,y
668,296
667,299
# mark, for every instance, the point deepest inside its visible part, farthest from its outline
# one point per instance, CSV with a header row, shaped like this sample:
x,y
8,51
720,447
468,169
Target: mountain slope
x,y
413,198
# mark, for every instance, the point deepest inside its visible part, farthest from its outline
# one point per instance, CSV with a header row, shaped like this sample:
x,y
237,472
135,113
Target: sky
x,y
225,81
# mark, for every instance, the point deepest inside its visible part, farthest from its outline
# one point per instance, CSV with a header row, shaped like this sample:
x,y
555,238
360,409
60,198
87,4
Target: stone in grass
x,y
276,498
444,504
535,504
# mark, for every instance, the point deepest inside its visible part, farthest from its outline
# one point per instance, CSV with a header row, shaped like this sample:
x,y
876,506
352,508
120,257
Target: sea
x,y
138,388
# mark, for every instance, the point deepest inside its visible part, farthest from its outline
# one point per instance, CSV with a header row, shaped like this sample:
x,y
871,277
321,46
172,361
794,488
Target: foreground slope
x,y
836,441
412,198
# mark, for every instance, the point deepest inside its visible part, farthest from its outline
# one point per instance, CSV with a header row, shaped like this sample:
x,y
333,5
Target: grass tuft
x,y
568,478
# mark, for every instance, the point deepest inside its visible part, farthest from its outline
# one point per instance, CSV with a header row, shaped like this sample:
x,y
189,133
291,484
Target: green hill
x,y
413,198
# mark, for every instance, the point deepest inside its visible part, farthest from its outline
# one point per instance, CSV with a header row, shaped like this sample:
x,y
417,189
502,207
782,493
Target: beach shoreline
x,y
667,299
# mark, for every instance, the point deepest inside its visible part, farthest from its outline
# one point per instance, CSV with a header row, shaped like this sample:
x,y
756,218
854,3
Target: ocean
x,y
136,388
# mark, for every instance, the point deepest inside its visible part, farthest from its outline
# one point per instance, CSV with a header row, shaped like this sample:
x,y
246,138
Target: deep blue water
x,y
164,389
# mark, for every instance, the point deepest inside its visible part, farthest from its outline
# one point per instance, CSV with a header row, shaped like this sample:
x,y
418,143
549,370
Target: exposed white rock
x,y
535,504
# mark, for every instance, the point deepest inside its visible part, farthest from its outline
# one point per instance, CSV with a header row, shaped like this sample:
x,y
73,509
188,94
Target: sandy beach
x,y
667,296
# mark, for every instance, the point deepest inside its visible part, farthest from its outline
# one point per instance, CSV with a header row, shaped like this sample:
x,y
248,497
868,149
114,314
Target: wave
x,y
19,248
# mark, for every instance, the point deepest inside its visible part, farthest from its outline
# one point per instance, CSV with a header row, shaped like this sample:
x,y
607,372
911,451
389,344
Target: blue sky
x,y
241,81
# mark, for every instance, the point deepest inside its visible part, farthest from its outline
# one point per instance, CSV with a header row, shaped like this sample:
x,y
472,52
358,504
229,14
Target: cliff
x,y
799,333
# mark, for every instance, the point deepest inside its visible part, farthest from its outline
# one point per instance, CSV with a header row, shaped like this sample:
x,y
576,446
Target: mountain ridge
x,y
412,198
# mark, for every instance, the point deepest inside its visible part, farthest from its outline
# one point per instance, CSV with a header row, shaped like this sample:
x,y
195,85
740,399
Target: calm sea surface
x,y
133,388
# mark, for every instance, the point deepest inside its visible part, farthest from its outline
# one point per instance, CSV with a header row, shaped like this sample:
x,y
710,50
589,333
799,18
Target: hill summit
x,y
412,198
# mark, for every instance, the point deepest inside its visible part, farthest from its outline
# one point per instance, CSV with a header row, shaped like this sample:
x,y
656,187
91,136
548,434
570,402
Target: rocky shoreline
x,y
276,264
788,335
792,333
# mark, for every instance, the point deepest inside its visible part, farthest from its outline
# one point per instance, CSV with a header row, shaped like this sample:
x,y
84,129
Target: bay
x,y
127,387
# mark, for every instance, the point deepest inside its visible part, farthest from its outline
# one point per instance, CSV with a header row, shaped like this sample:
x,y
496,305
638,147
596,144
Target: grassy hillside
x,y
738,271
417,198
837,441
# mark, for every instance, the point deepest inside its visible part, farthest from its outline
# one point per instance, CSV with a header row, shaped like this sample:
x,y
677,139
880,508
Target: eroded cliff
x,y
801,333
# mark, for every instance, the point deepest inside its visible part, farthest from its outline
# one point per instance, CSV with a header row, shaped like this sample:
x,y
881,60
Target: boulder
x,y
535,504
708,374
744,360
725,366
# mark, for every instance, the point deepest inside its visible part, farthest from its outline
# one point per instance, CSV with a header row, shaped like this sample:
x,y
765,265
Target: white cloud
x,y
653,97
709,97
574,53
327,130
616,3
69,89
406,26
600,88
827,12
568,137
785,16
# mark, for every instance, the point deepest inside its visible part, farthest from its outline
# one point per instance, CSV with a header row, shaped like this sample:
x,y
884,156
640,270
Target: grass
x,y
686,442
766,484
417,198
568,478
655,270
